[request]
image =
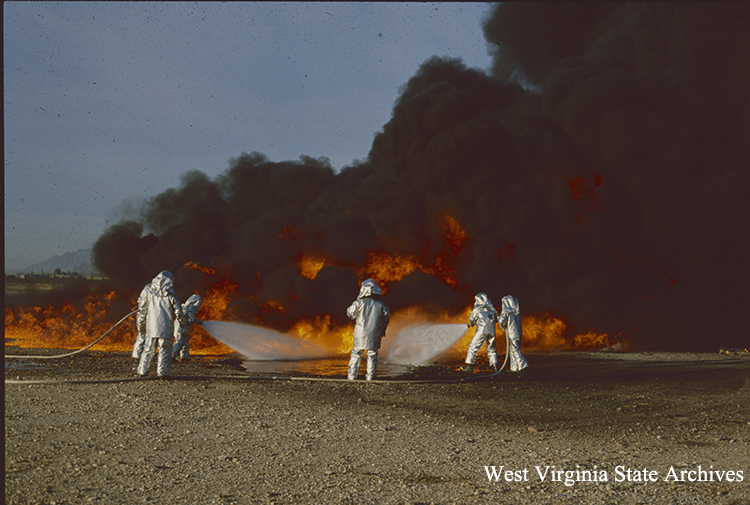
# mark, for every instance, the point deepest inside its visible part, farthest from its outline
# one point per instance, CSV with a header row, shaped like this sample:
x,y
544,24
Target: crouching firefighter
x,y
159,309
372,317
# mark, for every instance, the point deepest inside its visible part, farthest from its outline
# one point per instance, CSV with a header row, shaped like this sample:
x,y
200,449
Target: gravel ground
x,y
203,440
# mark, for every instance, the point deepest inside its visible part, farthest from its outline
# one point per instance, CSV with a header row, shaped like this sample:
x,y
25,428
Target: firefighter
x,y
372,317
140,340
191,307
510,322
483,316
158,310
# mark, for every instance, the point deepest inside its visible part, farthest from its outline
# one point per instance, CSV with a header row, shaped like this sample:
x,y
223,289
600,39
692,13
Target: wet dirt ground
x,y
628,428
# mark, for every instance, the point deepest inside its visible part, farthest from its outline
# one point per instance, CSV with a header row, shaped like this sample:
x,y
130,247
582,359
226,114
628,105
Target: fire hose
x,y
235,377
56,356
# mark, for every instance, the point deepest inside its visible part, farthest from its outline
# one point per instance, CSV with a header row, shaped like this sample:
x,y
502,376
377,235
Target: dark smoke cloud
x,y
599,172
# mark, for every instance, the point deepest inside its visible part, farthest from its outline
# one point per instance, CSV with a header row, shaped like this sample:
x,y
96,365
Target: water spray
x,y
442,337
418,344
263,344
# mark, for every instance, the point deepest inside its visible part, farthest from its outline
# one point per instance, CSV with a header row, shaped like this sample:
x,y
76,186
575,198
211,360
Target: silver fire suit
x,y
160,310
484,316
182,328
140,319
372,317
510,322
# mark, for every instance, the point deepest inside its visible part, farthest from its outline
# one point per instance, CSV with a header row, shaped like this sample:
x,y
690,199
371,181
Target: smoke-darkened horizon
x,y
597,172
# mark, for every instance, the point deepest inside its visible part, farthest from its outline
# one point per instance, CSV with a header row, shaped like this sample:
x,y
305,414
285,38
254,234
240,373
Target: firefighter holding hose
x,y
372,317
158,309
483,316
192,305
510,322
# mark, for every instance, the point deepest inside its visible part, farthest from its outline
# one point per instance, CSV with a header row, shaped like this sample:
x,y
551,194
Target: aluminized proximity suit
x,y
510,322
140,319
484,316
182,328
160,310
372,318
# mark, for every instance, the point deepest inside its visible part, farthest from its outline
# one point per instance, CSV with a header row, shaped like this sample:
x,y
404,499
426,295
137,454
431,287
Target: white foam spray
x,y
263,344
420,344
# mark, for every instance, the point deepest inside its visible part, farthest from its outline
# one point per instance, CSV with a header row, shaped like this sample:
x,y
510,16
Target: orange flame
x,y
191,265
540,332
309,266
323,332
455,239
71,327
385,268
219,293
202,343
456,236
271,306
217,299
68,327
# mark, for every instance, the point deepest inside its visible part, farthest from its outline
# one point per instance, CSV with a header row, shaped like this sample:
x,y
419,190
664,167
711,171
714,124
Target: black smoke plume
x,y
599,171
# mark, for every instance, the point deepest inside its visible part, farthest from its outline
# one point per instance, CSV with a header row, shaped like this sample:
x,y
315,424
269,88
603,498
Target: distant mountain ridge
x,y
79,261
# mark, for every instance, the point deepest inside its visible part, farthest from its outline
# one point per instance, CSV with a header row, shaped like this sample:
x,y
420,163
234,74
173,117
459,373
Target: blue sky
x,y
107,103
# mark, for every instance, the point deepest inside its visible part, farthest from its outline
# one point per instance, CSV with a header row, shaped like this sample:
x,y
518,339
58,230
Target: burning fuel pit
x,y
417,342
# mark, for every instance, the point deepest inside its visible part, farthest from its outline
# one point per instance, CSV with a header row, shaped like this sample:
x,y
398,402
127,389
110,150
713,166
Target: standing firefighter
x,y
182,328
372,317
510,322
159,309
484,316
